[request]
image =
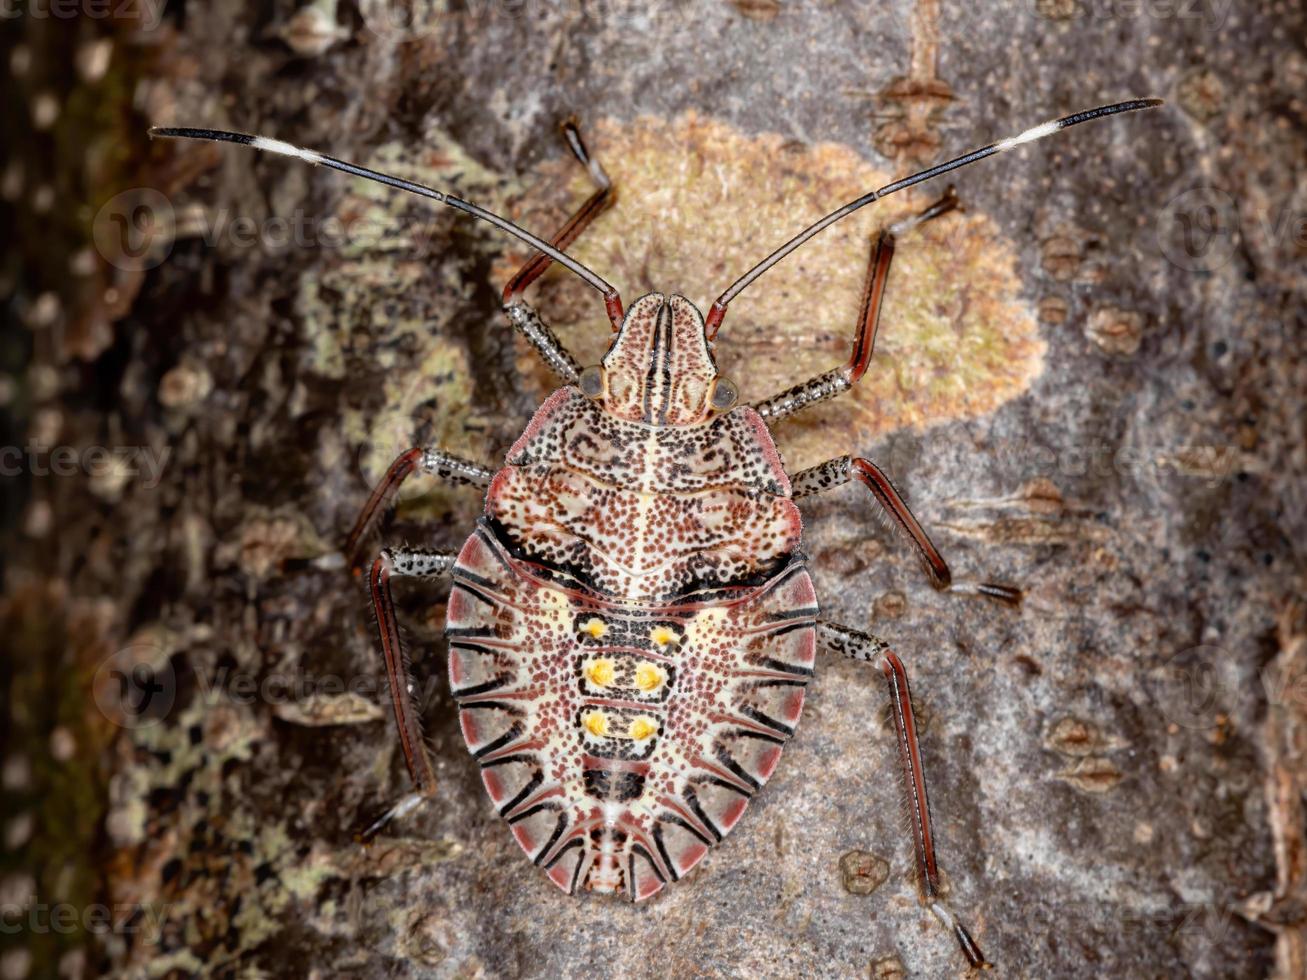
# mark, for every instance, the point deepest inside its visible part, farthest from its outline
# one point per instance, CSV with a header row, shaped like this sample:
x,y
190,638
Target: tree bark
x,y
1089,384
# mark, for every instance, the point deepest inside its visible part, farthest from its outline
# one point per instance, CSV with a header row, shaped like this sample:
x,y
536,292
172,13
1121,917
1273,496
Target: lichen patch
x,y
698,202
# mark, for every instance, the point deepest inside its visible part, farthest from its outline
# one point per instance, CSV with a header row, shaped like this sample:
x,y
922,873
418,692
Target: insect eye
x,y
591,381
724,394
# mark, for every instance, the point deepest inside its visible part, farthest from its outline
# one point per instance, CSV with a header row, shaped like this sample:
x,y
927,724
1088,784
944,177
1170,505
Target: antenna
x,y
315,158
718,310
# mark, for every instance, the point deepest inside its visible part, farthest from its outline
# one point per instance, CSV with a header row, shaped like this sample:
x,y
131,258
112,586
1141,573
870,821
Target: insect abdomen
x,y
623,715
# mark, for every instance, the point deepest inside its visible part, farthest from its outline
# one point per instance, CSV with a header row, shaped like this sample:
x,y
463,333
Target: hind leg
x,y
870,649
406,563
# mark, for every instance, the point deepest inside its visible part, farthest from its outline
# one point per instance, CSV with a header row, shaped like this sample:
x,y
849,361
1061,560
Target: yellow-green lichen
x,y
700,202
382,309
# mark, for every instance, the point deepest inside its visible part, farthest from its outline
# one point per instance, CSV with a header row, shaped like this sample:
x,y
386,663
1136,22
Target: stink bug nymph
x,y
631,624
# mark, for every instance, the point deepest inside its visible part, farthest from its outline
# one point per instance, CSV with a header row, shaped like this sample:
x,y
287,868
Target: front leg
x,y
526,320
841,379
434,462
595,205
541,337
839,471
871,649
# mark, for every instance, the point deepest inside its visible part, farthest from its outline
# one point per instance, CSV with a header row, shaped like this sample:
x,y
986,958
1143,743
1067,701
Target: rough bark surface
x,y
1091,384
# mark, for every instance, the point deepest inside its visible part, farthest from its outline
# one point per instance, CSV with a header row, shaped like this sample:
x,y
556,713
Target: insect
x,y
631,625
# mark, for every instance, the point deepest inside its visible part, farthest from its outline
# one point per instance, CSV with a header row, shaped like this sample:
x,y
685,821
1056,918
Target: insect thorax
x,y
645,513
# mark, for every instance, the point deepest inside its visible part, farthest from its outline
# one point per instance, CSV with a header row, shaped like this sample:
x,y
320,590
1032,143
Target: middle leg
x,y
434,462
839,471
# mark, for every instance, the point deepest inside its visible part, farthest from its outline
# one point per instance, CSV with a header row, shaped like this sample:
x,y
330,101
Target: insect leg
x,y
871,649
526,320
836,472
595,205
841,379
407,563
539,335
435,462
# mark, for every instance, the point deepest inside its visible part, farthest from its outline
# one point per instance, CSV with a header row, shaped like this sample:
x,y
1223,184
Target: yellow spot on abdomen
x,y
662,636
599,672
596,723
642,727
649,677
596,627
